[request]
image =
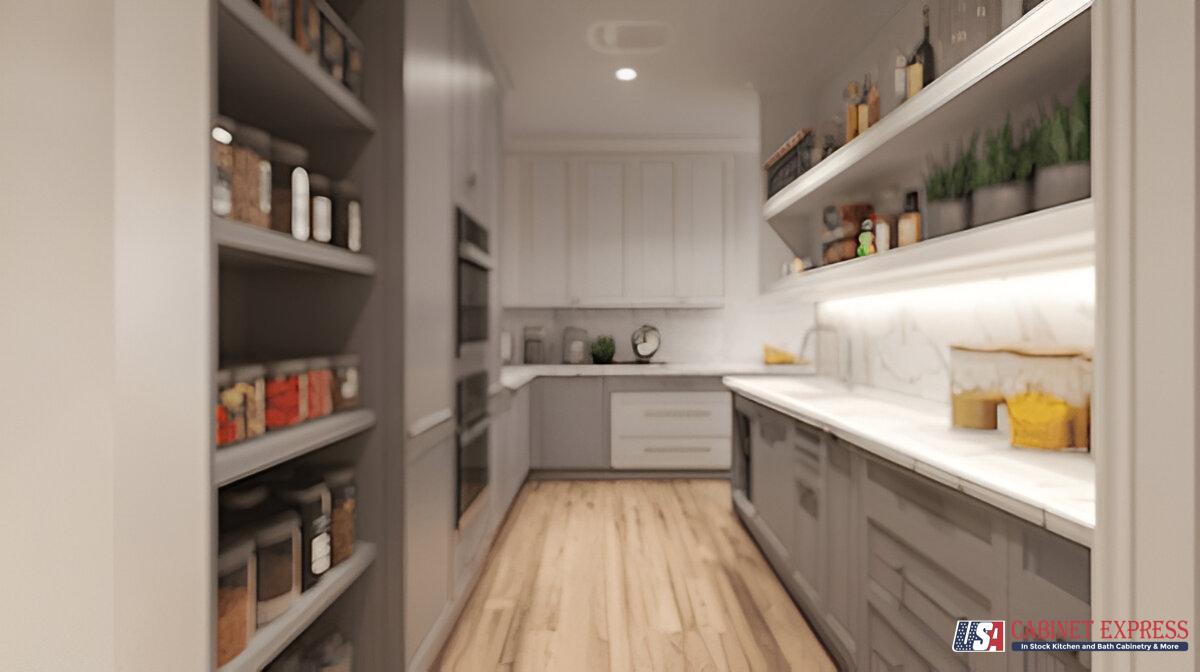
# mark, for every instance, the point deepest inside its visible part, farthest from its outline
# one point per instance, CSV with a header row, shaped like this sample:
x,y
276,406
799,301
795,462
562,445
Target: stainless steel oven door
x,y
473,467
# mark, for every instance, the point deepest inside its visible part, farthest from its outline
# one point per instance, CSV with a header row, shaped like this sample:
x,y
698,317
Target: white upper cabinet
x,y
612,231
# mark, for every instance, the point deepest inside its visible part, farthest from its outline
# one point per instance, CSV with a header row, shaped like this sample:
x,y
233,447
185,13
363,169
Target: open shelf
x,y
255,246
1053,239
1027,57
274,637
240,460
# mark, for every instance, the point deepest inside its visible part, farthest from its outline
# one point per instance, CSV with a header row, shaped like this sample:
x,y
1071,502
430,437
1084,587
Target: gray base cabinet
x,y
569,424
884,562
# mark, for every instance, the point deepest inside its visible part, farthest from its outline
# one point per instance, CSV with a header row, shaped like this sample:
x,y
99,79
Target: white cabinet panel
x,y
597,250
428,530
671,414
700,232
544,267
655,270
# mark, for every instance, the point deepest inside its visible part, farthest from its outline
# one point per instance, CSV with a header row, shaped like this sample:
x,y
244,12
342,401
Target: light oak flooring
x,y
629,575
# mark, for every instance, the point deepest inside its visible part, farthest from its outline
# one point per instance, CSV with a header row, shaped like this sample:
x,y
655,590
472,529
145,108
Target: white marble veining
x,y
517,376
1055,490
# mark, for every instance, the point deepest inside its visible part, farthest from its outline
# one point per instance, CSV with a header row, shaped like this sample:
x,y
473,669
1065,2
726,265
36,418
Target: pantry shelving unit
x,y
247,458
281,298
274,637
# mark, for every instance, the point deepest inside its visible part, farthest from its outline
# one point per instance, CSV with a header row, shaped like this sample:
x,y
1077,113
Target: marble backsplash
x,y
901,341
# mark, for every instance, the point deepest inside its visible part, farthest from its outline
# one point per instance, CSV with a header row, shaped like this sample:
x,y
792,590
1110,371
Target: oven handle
x,y
474,254
473,432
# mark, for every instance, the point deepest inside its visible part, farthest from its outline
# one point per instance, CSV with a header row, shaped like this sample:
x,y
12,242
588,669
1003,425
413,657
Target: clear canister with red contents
x,y
320,387
231,410
287,393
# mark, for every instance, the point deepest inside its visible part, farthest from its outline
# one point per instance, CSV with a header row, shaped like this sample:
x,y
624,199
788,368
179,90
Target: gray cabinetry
x,y
570,424
843,539
808,548
772,486
1049,579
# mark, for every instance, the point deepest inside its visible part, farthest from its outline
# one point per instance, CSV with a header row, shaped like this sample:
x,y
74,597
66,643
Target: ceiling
x,y
714,46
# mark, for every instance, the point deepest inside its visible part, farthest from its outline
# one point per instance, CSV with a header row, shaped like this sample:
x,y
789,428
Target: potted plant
x,y
1063,153
603,349
947,194
1000,179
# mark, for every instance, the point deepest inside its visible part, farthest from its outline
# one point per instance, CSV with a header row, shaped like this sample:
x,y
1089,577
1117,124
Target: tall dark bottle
x,y
920,77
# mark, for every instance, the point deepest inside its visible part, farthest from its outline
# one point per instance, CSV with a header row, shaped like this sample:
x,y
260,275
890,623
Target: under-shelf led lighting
x,y
626,74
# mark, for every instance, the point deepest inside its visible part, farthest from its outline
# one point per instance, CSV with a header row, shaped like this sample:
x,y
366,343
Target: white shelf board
x,y
1057,238
264,78
1026,57
240,460
274,637
252,245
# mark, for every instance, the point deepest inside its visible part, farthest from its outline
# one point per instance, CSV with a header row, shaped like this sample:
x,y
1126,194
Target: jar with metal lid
x,y
287,393
346,392
245,505
251,381
333,45
222,157
237,575
251,176
231,410
310,498
307,27
977,378
1049,398
347,216
321,208
289,189
277,543
320,387
344,500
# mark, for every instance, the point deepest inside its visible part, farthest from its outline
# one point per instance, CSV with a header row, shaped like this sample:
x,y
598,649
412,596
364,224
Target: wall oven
x,y
472,439
472,285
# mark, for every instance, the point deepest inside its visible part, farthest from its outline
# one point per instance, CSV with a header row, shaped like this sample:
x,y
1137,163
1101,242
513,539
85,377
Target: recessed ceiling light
x,y
626,74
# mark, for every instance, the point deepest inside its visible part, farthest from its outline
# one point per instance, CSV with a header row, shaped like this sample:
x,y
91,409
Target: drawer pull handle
x,y
677,413
679,449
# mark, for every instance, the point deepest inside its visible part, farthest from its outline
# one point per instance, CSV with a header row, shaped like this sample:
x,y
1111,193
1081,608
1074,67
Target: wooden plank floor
x,y
629,575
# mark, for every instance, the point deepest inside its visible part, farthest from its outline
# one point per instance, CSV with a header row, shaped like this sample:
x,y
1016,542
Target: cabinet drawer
x,y
892,647
671,453
944,524
671,414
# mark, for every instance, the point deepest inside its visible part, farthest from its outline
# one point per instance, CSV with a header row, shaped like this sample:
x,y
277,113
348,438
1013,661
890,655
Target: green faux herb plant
x,y
603,349
1003,160
952,180
1064,136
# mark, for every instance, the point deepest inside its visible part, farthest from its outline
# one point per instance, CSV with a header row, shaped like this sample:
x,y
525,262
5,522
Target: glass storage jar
x,y
977,375
310,498
222,157
251,381
333,45
245,505
289,189
287,393
236,603
344,500
307,27
354,66
347,216
322,207
251,202
231,410
279,12
346,392
320,388
277,543
334,653
1049,398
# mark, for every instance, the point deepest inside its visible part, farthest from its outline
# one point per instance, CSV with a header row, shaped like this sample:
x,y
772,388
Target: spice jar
x,y
231,410
346,394
222,158
236,604
320,387
251,176
354,66
289,189
344,498
245,505
251,382
287,393
347,216
277,544
309,497
307,27
1049,398
322,207
977,375
333,46
279,12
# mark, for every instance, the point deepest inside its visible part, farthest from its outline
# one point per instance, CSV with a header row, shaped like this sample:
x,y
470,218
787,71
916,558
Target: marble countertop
x,y
1055,490
517,376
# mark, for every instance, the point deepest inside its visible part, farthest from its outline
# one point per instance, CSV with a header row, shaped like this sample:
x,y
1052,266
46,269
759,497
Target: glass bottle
x,y
922,57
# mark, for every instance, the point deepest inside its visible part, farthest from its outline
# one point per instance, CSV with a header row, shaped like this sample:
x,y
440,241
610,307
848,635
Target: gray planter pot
x,y
948,216
1066,182
999,201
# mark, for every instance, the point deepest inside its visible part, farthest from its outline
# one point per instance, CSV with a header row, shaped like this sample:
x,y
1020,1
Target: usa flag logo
x,y
978,637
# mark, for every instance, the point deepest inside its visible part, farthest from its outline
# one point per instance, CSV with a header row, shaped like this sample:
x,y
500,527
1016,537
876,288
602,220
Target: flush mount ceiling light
x,y
626,74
